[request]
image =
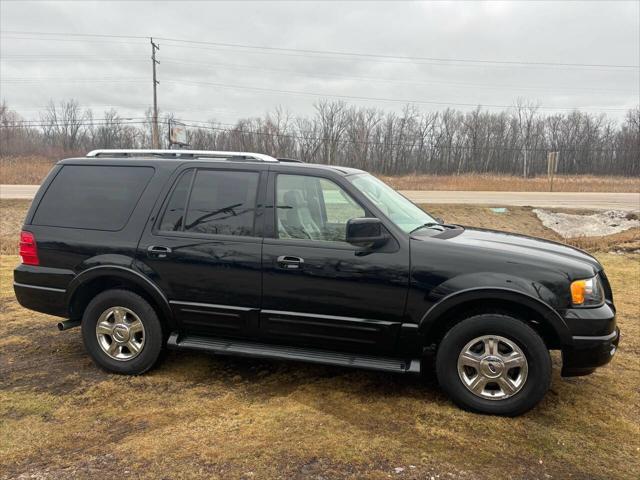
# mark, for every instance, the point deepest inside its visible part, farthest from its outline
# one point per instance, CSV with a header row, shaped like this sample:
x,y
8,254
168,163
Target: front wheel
x,y
122,333
494,364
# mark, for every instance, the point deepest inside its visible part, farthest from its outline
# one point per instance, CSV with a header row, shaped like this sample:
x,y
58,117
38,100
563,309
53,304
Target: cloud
x,y
101,72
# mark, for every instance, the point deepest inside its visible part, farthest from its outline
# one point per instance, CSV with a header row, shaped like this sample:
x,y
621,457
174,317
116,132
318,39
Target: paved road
x,y
591,200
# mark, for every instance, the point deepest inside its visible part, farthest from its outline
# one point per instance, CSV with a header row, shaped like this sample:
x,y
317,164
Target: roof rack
x,y
291,160
181,154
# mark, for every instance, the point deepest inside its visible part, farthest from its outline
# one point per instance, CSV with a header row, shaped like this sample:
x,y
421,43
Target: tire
x,y
528,381
138,341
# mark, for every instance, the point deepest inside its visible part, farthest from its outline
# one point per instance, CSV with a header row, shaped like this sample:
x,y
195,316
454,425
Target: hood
x,y
535,249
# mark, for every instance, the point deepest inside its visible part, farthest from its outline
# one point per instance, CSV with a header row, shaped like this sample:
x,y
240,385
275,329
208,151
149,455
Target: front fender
x,y
439,309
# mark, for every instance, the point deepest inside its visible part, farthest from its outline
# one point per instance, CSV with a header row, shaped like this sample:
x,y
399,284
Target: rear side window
x,y
92,197
174,214
220,203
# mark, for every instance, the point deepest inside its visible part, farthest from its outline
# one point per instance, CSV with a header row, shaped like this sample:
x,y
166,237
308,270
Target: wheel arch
x,y
456,307
94,280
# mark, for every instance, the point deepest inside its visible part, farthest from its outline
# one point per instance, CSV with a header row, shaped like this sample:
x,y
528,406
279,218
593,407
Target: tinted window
x,y
222,203
313,208
174,213
92,197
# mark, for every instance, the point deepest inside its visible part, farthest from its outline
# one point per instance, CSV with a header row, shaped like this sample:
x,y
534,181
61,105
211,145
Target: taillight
x,y
28,249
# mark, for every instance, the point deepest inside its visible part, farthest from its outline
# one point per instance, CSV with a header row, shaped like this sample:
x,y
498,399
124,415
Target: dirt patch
x,y
597,224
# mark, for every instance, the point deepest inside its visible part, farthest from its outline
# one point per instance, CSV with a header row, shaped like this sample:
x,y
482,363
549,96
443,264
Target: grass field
x,y
508,183
203,416
31,171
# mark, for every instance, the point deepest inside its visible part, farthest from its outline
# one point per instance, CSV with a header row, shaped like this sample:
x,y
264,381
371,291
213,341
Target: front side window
x,y
404,213
313,208
220,203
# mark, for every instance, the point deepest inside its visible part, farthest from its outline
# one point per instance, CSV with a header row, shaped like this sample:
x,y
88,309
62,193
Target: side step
x,y
222,346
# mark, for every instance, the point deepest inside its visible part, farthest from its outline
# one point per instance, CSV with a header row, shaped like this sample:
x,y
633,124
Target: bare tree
x,y
447,142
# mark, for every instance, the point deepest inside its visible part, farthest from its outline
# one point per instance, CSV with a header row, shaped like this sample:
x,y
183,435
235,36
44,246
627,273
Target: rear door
x,y
204,248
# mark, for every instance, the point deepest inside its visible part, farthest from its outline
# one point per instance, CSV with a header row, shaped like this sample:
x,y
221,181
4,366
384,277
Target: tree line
x,y
514,141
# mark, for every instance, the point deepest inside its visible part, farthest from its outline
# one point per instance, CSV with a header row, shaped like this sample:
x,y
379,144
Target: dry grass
x,y
24,170
12,214
32,170
199,415
507,183
215,417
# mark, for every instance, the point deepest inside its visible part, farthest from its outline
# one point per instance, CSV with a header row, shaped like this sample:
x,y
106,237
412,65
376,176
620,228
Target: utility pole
x,y
155,140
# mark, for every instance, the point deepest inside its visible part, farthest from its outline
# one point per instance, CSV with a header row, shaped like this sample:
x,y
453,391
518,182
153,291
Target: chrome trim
x,y
180,153
37,287
601,338
211,305
327,317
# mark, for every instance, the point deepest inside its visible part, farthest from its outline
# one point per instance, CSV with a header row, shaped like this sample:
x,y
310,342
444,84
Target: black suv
x,y
243,254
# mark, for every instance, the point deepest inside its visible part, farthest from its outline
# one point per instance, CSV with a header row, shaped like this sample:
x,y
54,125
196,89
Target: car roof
x,y
138,160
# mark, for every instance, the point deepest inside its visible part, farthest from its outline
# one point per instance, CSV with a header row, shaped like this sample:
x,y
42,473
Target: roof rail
x,y
181,154
291,160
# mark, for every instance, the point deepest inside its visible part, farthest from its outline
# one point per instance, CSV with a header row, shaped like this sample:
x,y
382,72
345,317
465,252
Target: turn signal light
x,y
578,289
587,292
28,249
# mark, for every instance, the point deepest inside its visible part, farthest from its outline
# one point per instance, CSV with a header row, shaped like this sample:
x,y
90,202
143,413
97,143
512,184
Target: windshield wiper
x,y
427,225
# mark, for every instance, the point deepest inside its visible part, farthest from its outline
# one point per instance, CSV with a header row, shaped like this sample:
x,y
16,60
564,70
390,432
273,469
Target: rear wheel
x,y
494,364
122,333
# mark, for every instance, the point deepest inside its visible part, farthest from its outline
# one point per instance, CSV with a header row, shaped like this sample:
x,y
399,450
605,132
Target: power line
x,y
442,60
396,57
81,124
235,128
67,55
70,34
377,99
377,79
72,40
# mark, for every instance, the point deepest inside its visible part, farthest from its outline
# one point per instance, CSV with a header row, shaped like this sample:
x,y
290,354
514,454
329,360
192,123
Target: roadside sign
x,y
177,133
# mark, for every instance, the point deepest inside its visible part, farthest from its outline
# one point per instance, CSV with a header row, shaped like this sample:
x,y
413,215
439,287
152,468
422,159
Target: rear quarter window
x,y
93,197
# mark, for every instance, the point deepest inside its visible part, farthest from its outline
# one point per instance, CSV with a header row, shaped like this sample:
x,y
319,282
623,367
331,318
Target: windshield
x,y
400,211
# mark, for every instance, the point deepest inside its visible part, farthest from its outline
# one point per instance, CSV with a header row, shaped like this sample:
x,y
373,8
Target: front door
x,y
319,290
204,250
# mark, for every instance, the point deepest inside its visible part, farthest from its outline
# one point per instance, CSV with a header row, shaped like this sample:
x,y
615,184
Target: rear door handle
x,y
158,251
288,262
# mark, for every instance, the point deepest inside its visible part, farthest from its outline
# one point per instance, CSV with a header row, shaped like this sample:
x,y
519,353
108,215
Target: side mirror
x,y
366,232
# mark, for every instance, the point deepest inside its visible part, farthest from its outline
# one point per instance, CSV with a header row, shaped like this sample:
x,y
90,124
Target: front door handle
x,y
158,251
288,262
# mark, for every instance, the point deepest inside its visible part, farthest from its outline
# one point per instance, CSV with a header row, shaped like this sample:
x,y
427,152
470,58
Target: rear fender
x,y
128,275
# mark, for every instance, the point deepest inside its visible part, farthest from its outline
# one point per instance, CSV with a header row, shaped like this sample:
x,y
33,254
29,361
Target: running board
x,y
262,350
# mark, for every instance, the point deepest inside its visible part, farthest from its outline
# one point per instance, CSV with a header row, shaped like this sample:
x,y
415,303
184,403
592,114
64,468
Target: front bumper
x,y
589,353
594,341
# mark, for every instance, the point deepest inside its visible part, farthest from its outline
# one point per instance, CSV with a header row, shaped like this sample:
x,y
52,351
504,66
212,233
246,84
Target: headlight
x,y
587,293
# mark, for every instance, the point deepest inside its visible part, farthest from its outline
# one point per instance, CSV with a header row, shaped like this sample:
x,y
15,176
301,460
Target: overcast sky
x,y
102,72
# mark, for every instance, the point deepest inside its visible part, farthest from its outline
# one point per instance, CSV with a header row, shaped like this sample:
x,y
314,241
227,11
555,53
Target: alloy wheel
x,y
492,367
120,333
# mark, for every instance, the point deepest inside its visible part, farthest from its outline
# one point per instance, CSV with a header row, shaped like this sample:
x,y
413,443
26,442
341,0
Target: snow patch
x,y
595,225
